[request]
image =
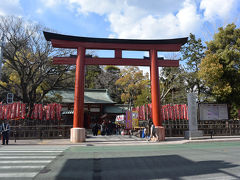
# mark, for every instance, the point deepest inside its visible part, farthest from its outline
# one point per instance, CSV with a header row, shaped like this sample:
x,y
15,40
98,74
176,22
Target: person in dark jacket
x,y
5,129
95,129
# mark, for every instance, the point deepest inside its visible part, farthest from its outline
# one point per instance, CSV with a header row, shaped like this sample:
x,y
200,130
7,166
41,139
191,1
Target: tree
x,y
132,83
144,97
28,71
192,53
172,85
91,76
220,69
105,79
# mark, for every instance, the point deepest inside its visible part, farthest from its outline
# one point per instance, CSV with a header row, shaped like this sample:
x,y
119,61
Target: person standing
x,y
95,129
5,129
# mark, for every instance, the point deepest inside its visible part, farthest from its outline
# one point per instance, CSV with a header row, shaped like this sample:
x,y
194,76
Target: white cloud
x,y
97,6
188,18
144,24
39,11
218,9
151,18
144,19
10,7
51,3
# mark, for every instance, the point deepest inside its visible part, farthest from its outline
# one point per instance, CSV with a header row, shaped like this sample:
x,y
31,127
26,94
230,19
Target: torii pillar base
x,y
160,133
77,135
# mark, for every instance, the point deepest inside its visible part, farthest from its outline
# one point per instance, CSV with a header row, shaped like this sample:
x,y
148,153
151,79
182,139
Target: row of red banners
x,y
169,112
13,111
53,111
175,112
17,111
48,112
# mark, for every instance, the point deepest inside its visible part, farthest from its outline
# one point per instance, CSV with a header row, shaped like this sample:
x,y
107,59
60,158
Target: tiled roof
x,y
54,36
91,96
116,109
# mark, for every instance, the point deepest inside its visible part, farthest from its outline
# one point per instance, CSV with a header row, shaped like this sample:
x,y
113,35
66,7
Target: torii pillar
x,y
78,130
118,45
155,92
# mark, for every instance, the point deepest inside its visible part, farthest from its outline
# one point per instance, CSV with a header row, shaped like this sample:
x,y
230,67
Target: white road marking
x,y
25,161
10,151
18,175
28,157
22,167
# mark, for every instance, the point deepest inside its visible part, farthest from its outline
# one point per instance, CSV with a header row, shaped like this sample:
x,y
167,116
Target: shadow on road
x,y
149,167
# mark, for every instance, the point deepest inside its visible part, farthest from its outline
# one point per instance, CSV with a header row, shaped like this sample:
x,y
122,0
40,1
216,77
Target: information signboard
x,y
128,120
213,112
134,119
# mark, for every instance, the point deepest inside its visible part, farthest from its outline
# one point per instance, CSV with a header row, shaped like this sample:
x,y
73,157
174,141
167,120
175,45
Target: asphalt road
x,y
207,160
121,157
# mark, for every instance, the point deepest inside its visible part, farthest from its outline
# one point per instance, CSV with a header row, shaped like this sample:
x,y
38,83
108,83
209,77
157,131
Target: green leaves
x,y
220,69
133,84
28,71
193,52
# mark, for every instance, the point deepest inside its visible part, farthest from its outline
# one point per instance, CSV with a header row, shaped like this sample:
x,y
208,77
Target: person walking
x,y
103,129
5,129
153,135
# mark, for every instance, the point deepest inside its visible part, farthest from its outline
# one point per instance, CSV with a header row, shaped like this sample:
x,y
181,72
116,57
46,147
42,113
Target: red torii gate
x,y
83,43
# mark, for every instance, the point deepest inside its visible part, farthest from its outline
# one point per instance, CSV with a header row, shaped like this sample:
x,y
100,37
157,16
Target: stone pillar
x,y
192,115
77,135
78,131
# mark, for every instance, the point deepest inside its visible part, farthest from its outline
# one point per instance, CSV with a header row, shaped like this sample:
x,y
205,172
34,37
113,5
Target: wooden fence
x,y
40,132
173,128
219,128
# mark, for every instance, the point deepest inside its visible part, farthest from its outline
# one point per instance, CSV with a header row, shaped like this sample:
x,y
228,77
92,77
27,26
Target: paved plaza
x,y
121,157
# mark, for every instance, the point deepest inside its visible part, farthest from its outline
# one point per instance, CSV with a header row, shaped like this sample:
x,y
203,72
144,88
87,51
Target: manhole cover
x,y
45,170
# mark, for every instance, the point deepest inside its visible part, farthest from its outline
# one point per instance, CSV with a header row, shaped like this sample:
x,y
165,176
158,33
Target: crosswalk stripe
x,y
22,167
29,154
18,175
25,161
27,157
8,151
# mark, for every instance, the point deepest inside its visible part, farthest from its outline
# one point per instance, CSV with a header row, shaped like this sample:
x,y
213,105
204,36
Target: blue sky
x,y
141,19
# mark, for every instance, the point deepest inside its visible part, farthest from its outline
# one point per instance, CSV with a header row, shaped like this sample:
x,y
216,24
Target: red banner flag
x,y
17,115
1,111
9,108
52,114
35,111
48,112
40,111
23,110
13,111
177,111
163,113
59,111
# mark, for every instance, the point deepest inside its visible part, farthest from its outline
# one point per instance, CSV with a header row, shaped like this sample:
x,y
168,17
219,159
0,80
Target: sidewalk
x,y
117,140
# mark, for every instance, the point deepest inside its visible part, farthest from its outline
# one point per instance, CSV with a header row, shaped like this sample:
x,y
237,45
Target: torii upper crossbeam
x,y
118,45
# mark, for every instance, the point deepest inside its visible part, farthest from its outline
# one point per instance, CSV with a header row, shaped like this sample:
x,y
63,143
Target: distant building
x,y
97,105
